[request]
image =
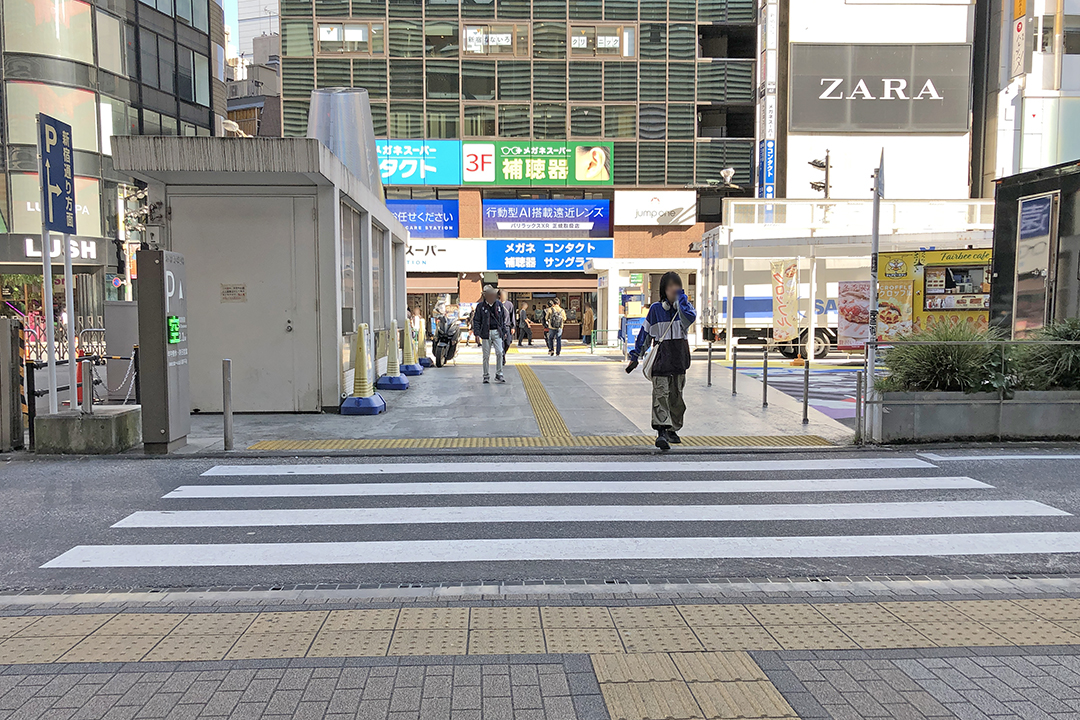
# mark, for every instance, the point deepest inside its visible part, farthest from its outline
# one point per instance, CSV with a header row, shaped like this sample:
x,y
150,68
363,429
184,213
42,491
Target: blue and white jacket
x,y
668,326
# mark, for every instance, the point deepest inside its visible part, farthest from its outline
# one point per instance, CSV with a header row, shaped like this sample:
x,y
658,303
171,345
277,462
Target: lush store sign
x,y
453,162
566,255
547,218
427,219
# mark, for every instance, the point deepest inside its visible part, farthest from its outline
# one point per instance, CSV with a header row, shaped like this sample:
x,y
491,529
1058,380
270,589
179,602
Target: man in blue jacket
x,y
666,326
491,326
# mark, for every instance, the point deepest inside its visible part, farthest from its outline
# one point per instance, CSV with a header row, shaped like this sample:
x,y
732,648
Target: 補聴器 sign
x,y
880,88
545,254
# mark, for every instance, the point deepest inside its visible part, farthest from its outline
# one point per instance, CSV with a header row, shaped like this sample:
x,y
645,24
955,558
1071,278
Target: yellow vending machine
x,y
917,290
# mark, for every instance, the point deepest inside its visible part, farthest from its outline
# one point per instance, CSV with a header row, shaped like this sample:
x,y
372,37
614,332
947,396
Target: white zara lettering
x,y
78,249
892,89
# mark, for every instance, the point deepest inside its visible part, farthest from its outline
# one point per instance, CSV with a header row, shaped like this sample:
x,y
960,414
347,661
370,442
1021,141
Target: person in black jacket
x,y
491,325
666,326
524,330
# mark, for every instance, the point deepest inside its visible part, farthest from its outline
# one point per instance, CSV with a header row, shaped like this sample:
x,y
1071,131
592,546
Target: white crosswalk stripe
x,y
367,521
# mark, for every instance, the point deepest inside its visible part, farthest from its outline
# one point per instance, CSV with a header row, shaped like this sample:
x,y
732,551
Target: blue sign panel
x,y
427,218
56,175
769,162
419,162
547,218
1035,217
546,254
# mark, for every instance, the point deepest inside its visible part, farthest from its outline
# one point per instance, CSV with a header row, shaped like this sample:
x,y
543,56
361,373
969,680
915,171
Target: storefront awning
x,y
431,283
540,284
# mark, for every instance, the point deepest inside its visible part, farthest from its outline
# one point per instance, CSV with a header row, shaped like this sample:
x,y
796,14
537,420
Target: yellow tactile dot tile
x,y
960,634
112,648
886,635
650,701
736,638
268,645
721,701
811,637
506,641
64,625
141,624
647,617
576,617
433,618
583,640
787,614
22,650
352,643
357,620
644,667
11,625
856,613
662,639
718,667
430,641
993,611
1053,608
717,615
517,618
925,612
215,624
288,622
1039,632
182,647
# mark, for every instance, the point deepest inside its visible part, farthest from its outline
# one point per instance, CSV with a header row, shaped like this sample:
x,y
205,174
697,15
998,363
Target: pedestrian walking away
x,y
556,320
524,330
491,325
665,329
588,321
509,339
545,320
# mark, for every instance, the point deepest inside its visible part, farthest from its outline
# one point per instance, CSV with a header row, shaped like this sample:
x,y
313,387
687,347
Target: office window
x,y
549,121
332,72
202,80
479,121
296,38
185,74
620,81
549,80
1072,35
549,9
514,9
130,55
653,40
682,9
681,82
370,75
352,38
378,119
681,120
166,66
651,163
61,28
514,121
368,8
586,10
406,39
151,122
187,129
443,120
682,42
477,8
497,40
625,163
441,39
331,8
605,40
586,79
183,10
549,40
441,8
653,82
442,79
148,50
168,125
515,80
114,121
200,15
110,43
478,79
652,121
680,163
407,79
165,6
621,9
654,10
586,121
620,121
406,120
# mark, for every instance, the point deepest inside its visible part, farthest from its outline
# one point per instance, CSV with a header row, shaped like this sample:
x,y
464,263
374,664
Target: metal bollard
x,y
138,378
765,377
858,407
708,367
226,402
88,387
806,391
734,366
31,398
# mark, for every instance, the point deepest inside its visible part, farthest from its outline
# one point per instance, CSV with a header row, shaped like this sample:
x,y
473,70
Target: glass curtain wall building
x,y
110,67
669,82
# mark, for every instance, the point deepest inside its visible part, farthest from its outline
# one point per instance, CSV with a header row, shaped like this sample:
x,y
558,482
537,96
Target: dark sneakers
x,y
662,440
673,437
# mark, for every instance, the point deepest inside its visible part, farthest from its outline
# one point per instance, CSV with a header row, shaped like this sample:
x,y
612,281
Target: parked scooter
x,y
445,340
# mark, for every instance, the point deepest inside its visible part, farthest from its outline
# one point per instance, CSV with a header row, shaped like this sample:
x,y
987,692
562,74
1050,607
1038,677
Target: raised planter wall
x,y
931,416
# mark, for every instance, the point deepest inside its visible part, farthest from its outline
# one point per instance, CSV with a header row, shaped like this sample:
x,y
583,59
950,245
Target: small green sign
x,y
637,278
174,329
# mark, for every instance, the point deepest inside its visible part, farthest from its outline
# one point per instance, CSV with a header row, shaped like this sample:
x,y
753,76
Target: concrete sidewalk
x,y
848,649
577,400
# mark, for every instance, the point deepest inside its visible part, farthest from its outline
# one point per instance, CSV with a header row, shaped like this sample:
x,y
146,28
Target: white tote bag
x,y
654,348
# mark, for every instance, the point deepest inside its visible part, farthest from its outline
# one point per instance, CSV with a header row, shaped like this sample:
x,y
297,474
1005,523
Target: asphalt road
x,y
272,522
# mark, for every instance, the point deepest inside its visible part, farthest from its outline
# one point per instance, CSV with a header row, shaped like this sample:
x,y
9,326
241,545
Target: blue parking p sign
x,y
56,175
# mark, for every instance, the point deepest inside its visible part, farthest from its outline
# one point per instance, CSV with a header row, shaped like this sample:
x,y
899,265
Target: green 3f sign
x,y
537,163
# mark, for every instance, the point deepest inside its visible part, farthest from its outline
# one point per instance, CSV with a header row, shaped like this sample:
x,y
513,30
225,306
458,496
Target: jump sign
x,y
56,175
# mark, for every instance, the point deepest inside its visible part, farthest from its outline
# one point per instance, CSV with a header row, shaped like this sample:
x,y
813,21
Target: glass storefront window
x,y
61,28
77,108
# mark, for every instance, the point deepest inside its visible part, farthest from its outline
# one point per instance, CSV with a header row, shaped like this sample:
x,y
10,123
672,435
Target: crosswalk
x,y
636,512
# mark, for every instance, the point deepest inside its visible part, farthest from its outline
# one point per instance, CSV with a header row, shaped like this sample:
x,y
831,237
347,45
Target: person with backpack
x,y
556,320
666,327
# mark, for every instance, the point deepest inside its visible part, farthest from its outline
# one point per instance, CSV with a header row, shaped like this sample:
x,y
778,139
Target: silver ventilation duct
x,y
341,119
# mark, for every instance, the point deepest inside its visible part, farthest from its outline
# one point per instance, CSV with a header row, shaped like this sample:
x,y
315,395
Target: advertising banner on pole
x,y
547,218
427,218
785,283
853,328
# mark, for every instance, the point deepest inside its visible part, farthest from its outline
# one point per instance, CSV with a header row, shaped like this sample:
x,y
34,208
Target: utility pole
x,y
875,243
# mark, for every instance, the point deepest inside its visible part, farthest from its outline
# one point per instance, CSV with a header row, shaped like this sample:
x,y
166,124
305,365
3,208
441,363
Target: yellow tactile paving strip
x,y
567,441
622,631
549,420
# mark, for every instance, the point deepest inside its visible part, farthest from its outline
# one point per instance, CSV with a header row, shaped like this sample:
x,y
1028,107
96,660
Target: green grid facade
x,y
431,74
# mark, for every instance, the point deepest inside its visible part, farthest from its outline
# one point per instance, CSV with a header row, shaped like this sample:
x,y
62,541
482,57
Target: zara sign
x,y
880,88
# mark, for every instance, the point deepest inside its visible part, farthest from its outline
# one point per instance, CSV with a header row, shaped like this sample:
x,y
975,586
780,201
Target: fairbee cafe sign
x,y
669,208
880,88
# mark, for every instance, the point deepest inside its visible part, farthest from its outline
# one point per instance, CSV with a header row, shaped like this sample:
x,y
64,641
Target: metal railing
x,y
896,215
